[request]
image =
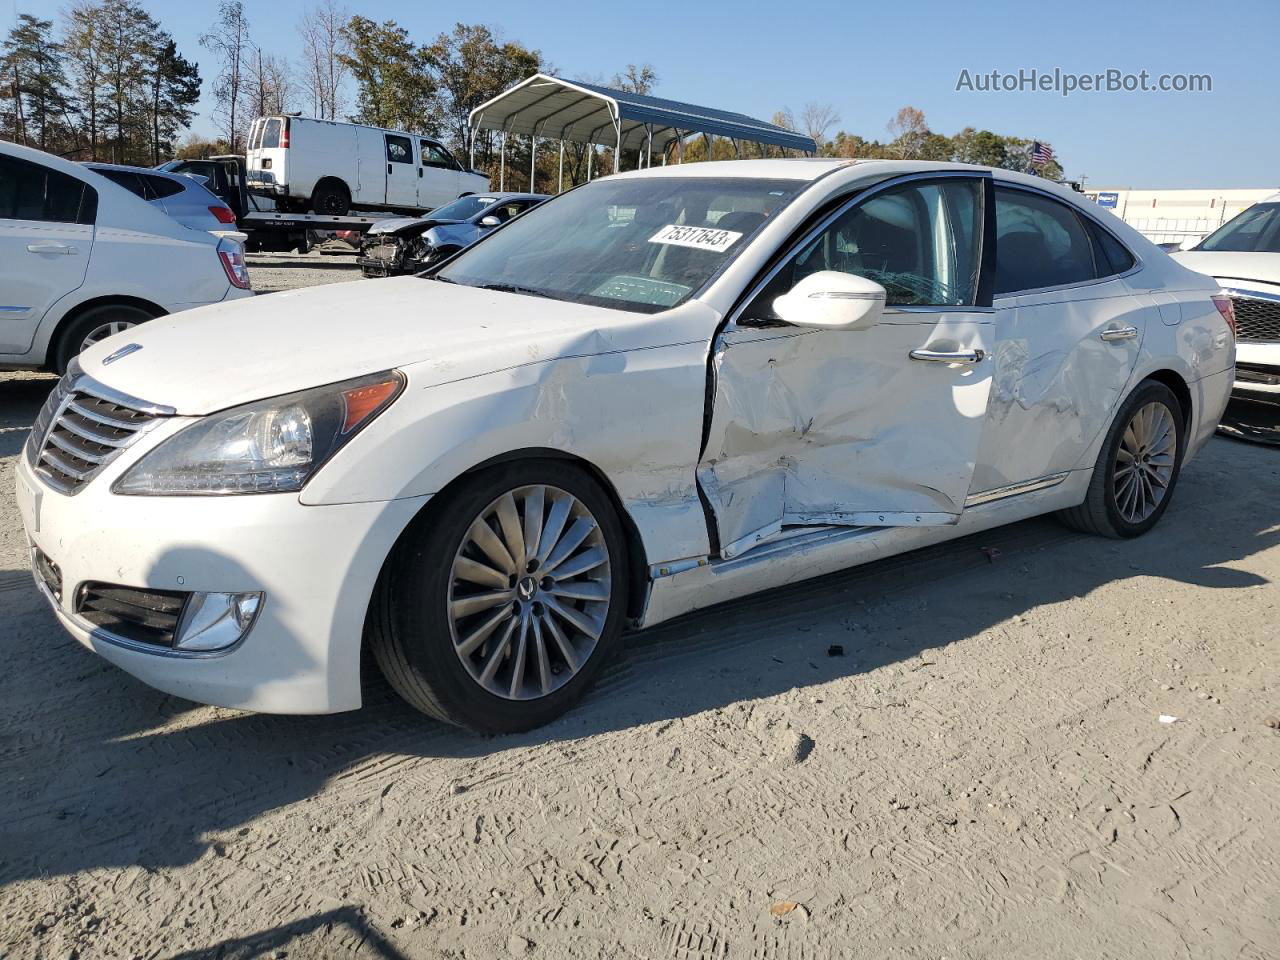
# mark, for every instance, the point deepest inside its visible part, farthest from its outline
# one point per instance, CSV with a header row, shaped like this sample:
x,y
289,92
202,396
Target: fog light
x,y
213,621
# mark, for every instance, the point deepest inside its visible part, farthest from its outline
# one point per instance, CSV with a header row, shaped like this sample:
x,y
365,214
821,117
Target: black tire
x,y
72,338
409,629
331,198
1100,513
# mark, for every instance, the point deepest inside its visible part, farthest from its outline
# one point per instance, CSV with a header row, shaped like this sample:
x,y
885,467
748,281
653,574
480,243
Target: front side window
x,y
1040,242
399,149
643,244
1257,230
920,241
434,155
29,191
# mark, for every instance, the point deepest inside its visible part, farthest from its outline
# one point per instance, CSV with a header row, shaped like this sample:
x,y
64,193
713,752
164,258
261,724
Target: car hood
x,y
1263,267
396,224
215,357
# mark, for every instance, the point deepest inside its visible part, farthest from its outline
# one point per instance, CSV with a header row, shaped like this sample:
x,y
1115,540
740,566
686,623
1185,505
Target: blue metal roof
x,y
548,106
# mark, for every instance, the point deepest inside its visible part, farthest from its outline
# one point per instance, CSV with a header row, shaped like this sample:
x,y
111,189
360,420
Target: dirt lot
x,y
981,772
273,272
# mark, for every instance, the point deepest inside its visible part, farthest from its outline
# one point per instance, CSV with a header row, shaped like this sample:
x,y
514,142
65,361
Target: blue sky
x,y
869,59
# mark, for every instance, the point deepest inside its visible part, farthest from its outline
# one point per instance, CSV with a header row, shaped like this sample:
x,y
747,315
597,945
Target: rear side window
x,y
1040,242
162,186
129,180
271,133
1109,254
399,149
29,191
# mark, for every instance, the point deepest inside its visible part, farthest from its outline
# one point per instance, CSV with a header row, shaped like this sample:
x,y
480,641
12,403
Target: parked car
x,y
213,172
330,166
409,244
659,391
84,259
182,197
1244,256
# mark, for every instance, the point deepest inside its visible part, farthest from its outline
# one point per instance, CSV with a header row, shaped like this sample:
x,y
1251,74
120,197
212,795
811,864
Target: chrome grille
x,y
78,433
1257,320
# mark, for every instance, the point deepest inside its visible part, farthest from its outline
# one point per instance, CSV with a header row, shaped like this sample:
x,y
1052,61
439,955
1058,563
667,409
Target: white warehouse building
x,y
1174,216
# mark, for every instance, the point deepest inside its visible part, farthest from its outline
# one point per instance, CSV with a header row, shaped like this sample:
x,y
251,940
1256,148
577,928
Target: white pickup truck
x,y
330,166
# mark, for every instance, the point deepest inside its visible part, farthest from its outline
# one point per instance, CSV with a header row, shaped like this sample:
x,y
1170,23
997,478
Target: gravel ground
x,y
979,771
273,272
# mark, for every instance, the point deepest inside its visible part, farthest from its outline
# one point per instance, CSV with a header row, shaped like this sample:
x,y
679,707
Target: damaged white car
x,y
656,392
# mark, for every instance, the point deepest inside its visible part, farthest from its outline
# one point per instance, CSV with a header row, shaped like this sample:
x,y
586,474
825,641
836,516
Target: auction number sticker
x,y
700,238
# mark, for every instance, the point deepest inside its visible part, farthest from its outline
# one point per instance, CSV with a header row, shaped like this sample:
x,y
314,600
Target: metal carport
x,y
555,109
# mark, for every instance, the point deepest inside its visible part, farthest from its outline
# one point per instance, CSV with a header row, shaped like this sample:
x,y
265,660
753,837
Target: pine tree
x,y
32,64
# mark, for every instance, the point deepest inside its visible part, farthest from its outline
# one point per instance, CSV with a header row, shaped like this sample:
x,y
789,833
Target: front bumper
x,y
316,565
1258,369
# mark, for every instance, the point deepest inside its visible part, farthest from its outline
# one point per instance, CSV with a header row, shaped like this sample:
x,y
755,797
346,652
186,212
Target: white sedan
x,y
82,258
660,391
1244,256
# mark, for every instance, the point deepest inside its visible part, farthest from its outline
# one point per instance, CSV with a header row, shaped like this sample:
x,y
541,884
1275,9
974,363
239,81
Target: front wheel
x,y
503,601
1137,467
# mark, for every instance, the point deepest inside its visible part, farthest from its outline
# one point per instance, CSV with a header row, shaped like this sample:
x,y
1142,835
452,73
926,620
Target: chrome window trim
x,y
790,249
1031,291
1015,489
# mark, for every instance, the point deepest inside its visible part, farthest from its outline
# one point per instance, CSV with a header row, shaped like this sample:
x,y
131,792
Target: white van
x,y
330,166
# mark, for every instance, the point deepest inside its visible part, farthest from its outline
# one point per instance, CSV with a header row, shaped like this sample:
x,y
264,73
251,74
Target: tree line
x,y
107,82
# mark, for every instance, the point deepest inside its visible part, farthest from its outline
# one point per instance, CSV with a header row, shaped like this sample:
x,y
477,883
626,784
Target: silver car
x,y
182,197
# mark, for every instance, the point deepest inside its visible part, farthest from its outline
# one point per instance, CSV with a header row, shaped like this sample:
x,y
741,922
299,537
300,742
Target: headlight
x,y
270,446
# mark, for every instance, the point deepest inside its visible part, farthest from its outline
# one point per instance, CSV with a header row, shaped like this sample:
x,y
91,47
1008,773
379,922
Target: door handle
x,y
388,169
1111,334
51,248
419,171
949,356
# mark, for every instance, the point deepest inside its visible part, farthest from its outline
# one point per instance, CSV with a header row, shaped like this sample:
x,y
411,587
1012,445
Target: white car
x,y
330,166
84,259
182,197
656,392
1244,256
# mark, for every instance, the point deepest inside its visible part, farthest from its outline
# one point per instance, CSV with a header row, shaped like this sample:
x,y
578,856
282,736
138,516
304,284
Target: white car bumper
x,y
315,565
1258,369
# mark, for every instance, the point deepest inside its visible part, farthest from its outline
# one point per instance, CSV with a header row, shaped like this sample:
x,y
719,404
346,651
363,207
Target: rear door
x,y
1068,330
437,177
877,427
46,237
402,177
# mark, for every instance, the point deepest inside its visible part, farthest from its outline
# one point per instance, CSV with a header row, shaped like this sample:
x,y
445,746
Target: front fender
x,y
634,415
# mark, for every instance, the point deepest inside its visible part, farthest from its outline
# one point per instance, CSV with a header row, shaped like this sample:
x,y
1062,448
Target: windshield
x,y
461,209
1257,230
643,243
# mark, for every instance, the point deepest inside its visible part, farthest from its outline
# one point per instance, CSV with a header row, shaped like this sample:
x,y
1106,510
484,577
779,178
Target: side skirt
x,y
805,552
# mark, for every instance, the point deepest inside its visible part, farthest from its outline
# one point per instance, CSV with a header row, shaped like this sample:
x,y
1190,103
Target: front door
x,y
437,176
1068,330
877,427
402,176
46,237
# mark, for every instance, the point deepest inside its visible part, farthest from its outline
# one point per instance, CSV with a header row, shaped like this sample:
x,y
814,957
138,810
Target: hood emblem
x,y
124,351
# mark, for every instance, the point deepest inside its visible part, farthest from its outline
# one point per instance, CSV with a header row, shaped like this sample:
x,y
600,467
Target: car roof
x,y
130,168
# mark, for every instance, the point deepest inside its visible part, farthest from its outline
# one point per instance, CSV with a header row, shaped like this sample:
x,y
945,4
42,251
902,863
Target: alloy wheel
x,y
1145,461
102,331
529,592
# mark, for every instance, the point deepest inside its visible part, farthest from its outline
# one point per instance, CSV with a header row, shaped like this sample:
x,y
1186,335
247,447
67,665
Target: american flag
x,y
1041,153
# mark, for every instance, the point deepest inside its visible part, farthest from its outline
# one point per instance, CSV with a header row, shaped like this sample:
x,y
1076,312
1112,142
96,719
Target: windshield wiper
x,y
514,288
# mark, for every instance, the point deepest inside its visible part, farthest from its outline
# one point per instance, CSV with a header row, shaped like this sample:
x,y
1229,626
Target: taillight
x,y
223,214
232,256
1227,309
284,134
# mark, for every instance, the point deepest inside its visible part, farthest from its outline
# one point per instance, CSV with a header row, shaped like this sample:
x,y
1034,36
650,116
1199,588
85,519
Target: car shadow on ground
x,y
87,752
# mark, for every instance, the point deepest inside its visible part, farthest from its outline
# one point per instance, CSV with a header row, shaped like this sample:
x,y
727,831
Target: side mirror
x,y
830,300
490,221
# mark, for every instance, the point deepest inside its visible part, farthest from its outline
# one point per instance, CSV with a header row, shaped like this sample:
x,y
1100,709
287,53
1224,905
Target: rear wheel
x,y
504,600
1137,468
94,325
331,198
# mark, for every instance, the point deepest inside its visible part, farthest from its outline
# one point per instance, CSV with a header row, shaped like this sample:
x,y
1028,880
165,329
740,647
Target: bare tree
x,y
267,84
909,131
229,41
82,41
816,119
323,70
